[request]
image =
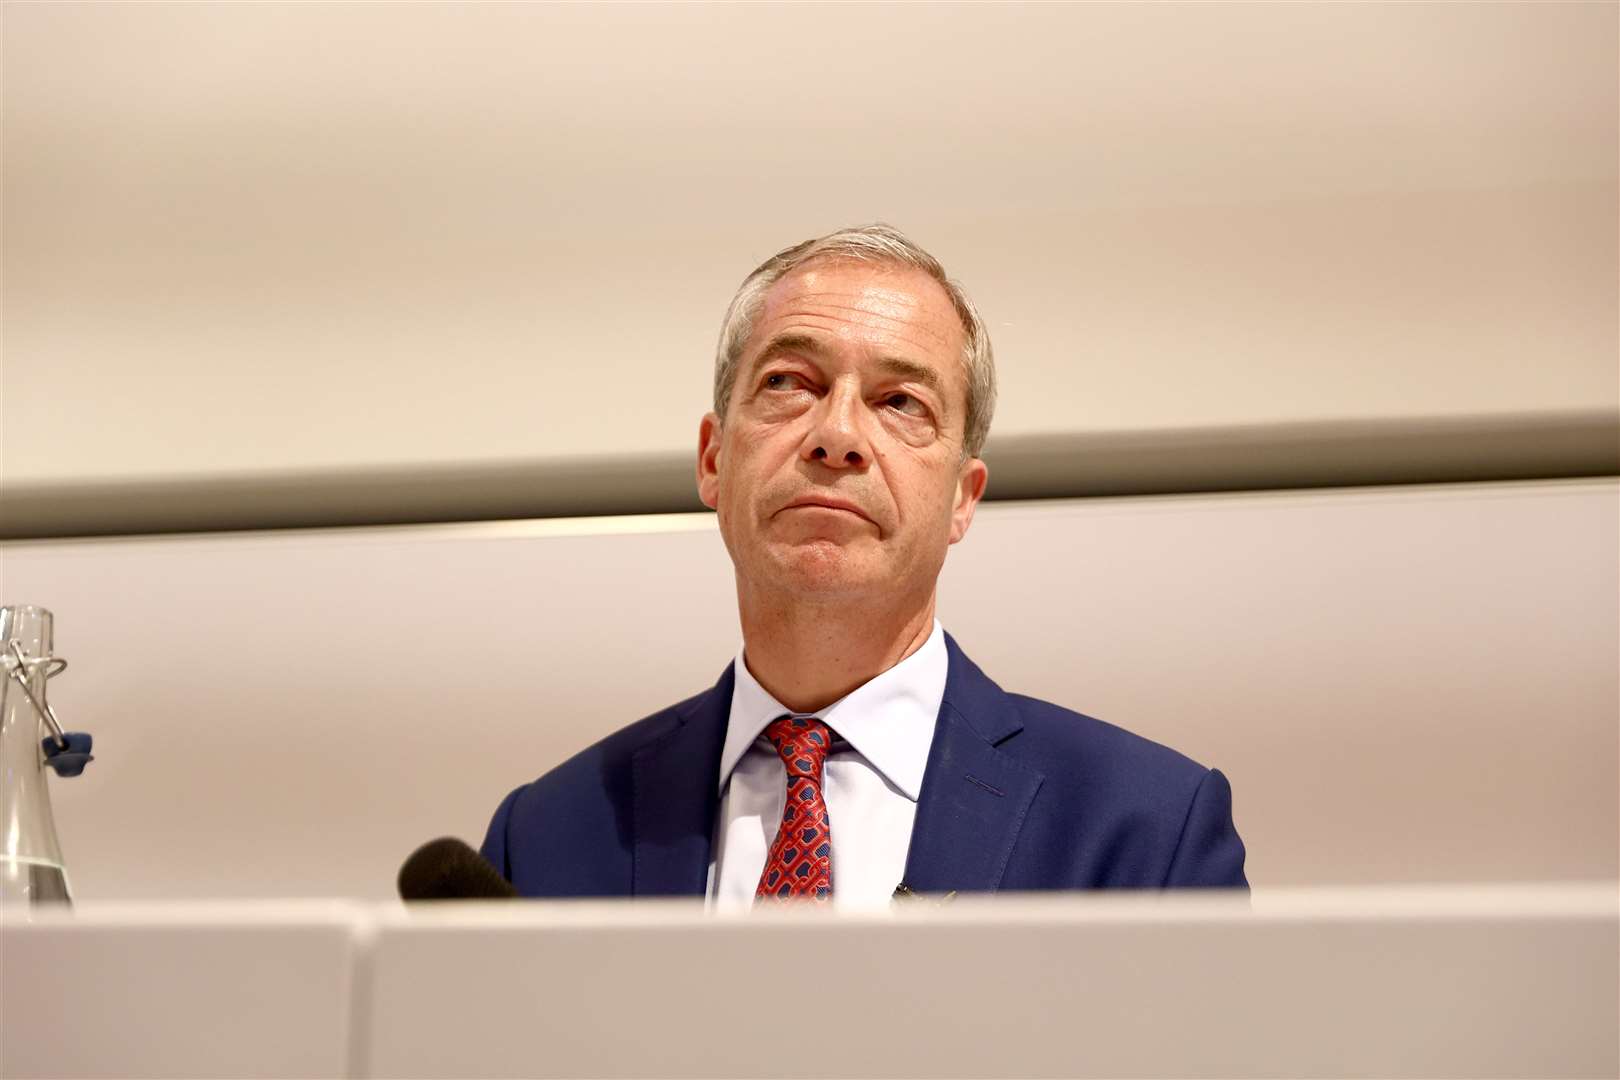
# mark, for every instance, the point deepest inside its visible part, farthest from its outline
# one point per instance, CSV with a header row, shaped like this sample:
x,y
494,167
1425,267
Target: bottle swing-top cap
x,y
68,752
32,870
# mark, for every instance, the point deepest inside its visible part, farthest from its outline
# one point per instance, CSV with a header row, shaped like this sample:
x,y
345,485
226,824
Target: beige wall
x,y
1404,684
264,239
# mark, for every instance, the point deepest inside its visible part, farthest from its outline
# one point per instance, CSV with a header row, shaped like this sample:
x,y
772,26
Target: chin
x,y
825,568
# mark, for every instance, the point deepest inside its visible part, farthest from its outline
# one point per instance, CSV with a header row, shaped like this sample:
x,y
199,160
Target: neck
x,y
810,655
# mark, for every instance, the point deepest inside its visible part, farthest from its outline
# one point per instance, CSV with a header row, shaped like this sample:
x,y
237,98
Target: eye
x,y
783,380
906,404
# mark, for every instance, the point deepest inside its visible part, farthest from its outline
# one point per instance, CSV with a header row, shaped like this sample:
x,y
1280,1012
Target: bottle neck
x,y
27,828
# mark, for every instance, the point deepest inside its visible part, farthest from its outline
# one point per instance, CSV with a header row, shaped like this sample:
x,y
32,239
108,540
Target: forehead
x,y
881,309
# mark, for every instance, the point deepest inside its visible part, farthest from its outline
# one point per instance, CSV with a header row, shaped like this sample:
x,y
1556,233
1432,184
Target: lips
x,y
825,503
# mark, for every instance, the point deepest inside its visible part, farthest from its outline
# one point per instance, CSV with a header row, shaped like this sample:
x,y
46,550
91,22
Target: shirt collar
x,y
889,720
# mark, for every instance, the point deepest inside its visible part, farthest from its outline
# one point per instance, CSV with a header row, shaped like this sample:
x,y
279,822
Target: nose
x,y
837,437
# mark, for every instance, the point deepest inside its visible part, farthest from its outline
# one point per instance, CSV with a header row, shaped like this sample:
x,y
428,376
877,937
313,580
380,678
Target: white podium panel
x,y
179,990
1449,983
1461,982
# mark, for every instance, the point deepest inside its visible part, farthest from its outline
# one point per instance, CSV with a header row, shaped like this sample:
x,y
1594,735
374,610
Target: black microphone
x,y
447,869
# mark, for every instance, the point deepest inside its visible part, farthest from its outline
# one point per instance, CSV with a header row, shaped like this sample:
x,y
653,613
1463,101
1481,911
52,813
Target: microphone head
x,y
447,869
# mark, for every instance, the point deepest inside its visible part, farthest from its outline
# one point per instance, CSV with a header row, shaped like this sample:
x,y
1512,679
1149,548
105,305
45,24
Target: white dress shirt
x,y
881,734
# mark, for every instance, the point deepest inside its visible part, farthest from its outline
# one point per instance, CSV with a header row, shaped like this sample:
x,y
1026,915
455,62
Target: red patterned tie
x,y
800,862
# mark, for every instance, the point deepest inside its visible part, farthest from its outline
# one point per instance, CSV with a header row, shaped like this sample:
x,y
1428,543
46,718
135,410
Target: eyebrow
x,y
804,343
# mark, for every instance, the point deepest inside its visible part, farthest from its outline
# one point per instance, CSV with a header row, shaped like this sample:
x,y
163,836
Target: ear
x,y
708,461
970,485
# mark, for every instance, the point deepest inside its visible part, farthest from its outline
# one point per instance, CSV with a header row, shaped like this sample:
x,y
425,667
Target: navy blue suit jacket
x,y
1017,794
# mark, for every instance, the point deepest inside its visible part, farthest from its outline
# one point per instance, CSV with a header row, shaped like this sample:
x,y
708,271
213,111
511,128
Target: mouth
x,y
828,504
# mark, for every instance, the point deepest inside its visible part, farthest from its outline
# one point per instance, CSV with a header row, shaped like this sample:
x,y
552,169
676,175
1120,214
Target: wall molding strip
x,y
1252,458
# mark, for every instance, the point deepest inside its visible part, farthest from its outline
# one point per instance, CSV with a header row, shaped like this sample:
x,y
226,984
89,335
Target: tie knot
x,y
802,742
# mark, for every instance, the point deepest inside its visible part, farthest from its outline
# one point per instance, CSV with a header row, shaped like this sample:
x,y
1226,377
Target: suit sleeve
x,y
1210,852
494,848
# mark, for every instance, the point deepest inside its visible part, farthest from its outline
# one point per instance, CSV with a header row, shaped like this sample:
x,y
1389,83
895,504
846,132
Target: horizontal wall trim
x,y
1262,457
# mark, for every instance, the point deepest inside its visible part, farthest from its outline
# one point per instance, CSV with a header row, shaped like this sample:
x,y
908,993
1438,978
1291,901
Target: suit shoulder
x,y
1053,739
610,755
1074,742
1120,810
568,832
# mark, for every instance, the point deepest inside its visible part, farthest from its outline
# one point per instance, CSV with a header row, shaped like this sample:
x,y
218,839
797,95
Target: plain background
x,y
247,240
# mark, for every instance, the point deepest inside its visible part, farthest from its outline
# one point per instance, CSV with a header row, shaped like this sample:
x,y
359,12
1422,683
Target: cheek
x,y
940,515
737,477
923,490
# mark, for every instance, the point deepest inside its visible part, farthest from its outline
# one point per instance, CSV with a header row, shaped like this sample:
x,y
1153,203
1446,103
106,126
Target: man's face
x,y
839,471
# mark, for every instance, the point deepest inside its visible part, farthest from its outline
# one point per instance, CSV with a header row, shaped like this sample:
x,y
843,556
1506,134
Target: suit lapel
x,y
974,796
676,798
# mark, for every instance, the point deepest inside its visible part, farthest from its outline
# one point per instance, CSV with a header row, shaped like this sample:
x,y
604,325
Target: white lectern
x,y
1487,982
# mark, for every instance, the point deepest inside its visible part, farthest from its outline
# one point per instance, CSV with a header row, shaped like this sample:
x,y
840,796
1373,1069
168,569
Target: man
x,y
851,747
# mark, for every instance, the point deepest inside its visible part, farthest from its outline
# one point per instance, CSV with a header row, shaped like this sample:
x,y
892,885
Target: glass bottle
x,y
31,869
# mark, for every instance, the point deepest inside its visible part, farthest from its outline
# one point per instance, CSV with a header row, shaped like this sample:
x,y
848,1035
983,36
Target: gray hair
x,y
865,243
